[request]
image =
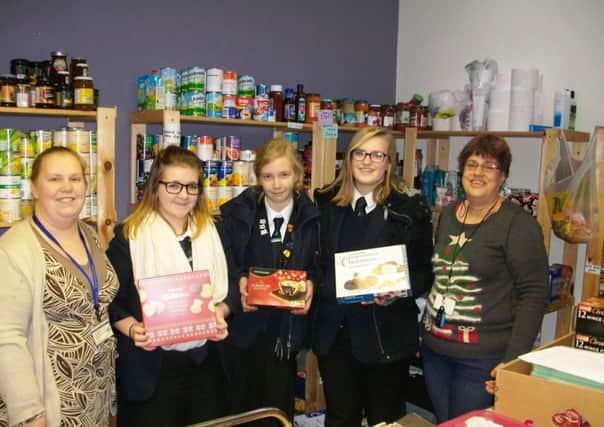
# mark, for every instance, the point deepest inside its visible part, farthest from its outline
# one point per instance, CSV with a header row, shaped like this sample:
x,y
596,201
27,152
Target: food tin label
x,y
211,196
232,147
210,177
224,173
214,104
241,171
10,210
224,194
214,80
10,140
246,86
10,164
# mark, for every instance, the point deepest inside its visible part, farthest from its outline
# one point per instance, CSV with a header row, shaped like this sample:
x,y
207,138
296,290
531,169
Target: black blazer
x,y
377,333
245,249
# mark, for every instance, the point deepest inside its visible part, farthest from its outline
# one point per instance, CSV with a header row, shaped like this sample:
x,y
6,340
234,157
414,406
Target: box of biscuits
x,y
362,275
276,287
177,307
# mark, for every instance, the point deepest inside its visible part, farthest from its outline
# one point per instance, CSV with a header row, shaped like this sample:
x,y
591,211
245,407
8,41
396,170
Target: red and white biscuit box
x,y
276,287
177,307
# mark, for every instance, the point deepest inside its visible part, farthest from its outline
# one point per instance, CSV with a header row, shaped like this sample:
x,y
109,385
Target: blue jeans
x,y
456,385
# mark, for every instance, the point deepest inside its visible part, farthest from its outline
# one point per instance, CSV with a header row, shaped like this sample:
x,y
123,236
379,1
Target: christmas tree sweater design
x,y
452,279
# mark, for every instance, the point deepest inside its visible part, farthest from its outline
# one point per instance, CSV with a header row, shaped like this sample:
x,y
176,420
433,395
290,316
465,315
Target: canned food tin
x,y
92,184
224,194
42,139
211,197
246,86
214,104
205,147
10,163
78,140
247,155
229,83
232,147
10,210
10,140
245,107
59,137
220,148
210,177
26,189
224,173
26,208
189,142
26,164
292,137
229,107
214,80
10,187
241,171
26,148
196,79
92,162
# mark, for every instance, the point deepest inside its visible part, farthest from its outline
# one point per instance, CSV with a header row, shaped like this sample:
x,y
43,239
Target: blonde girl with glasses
x,y
364,349
170,231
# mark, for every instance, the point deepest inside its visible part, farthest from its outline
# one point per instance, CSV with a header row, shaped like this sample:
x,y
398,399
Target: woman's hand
x,y
490,385
243,290
222,329
138,335
307,300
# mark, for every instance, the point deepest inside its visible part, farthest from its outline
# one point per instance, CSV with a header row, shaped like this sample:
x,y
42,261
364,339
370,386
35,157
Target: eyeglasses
x,y
175,187
473,166
375,156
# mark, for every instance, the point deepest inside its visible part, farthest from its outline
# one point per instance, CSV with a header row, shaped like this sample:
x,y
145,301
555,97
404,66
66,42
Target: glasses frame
x,y
181,186
473,166
370,154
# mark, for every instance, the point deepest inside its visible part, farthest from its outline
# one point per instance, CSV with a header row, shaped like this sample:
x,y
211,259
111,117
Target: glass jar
x,y
45,92
63,91
348,111
8,85
19,66
22,97
313,105
415,116
361,107
388,116
75,70
374,115
58,63
331,105
83,93
401,116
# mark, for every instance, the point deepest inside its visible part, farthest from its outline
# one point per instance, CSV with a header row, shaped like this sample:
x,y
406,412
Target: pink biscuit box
x,y
486,416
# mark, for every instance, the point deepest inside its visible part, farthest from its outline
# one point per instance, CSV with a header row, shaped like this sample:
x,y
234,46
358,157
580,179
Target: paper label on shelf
x,y
295,125
325,117
592,268
329,132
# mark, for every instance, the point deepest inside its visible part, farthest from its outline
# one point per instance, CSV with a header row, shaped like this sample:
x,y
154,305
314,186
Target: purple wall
x,y
335,48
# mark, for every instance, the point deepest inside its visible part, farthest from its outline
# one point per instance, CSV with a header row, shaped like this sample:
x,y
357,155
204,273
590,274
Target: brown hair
x,y
487,145
36,166
274,149
172,155
345,180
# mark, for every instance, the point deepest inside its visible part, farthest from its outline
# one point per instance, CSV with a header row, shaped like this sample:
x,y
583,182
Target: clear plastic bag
x,y
571,192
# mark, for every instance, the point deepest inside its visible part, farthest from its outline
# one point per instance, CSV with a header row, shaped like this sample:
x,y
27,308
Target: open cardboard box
x,y
522,396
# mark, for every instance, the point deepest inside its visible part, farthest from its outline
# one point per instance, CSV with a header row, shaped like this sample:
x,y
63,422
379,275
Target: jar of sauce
x,y
22,91
76,71
63,91
83,91
8,86
361,107
313,105
374,115
276,103
348,112
331,105
58,64
45,92
388,116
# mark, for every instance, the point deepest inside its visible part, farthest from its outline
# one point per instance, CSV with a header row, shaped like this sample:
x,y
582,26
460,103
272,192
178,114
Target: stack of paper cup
x,y
499,105
522,100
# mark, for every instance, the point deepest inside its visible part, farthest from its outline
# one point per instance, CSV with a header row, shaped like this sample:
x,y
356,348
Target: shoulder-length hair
x,y
276,148
344,182
169,156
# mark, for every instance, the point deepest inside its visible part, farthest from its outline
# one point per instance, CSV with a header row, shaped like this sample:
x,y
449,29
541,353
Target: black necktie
x,y
359,207
276,236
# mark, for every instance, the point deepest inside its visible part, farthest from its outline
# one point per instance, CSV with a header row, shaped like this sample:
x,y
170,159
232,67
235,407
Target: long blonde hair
x,y
344,182
170,156
276,148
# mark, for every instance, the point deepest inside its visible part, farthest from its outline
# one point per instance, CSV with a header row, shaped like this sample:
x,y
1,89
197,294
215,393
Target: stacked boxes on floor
x,y
590,325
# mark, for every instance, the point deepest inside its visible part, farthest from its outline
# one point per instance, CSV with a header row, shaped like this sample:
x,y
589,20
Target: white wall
x,y
563,39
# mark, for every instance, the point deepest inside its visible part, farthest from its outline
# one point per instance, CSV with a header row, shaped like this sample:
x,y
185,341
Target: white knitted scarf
x,y
156,251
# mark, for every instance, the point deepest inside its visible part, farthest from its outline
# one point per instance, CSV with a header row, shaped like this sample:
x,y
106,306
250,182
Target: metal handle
x,y
245,417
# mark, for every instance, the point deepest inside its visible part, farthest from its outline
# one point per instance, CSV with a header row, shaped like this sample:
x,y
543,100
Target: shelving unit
x,y
104,117
323,154
437,147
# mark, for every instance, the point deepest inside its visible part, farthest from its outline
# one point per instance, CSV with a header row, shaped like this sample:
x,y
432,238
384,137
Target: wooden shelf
x,y
559,305
50,112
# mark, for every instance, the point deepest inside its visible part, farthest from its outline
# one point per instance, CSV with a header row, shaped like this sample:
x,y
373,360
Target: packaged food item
x,y
276,287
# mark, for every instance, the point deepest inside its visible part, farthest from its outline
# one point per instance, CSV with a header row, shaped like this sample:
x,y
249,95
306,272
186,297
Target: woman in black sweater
x,y
363,349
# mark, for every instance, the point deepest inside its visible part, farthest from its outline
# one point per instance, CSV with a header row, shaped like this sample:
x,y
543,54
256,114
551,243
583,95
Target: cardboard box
x,y
590,317
177,307
363,275
522,396
276,287
587,342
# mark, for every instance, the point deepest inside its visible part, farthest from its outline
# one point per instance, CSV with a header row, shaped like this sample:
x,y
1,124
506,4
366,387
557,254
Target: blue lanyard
x,y
94,281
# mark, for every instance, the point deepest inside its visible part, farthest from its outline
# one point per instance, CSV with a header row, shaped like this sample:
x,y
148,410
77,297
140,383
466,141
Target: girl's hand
x,y
138,335
222,329
490,385
307,300
243,290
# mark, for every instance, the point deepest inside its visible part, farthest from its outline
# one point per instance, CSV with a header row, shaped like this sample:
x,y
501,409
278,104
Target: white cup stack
x,y
522,100
499,105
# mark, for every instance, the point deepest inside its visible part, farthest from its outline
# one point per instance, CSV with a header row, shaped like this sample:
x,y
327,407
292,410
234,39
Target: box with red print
x,y
276,287
177,307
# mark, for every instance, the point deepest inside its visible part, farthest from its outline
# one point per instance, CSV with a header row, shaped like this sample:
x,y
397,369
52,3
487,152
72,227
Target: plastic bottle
x,y
289,106
573,111
276,104
561,108
300,103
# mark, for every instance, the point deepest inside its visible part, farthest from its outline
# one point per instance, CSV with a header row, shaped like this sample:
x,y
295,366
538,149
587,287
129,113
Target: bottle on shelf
x,y
300,103
289,106
276,103
573,111
63,91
